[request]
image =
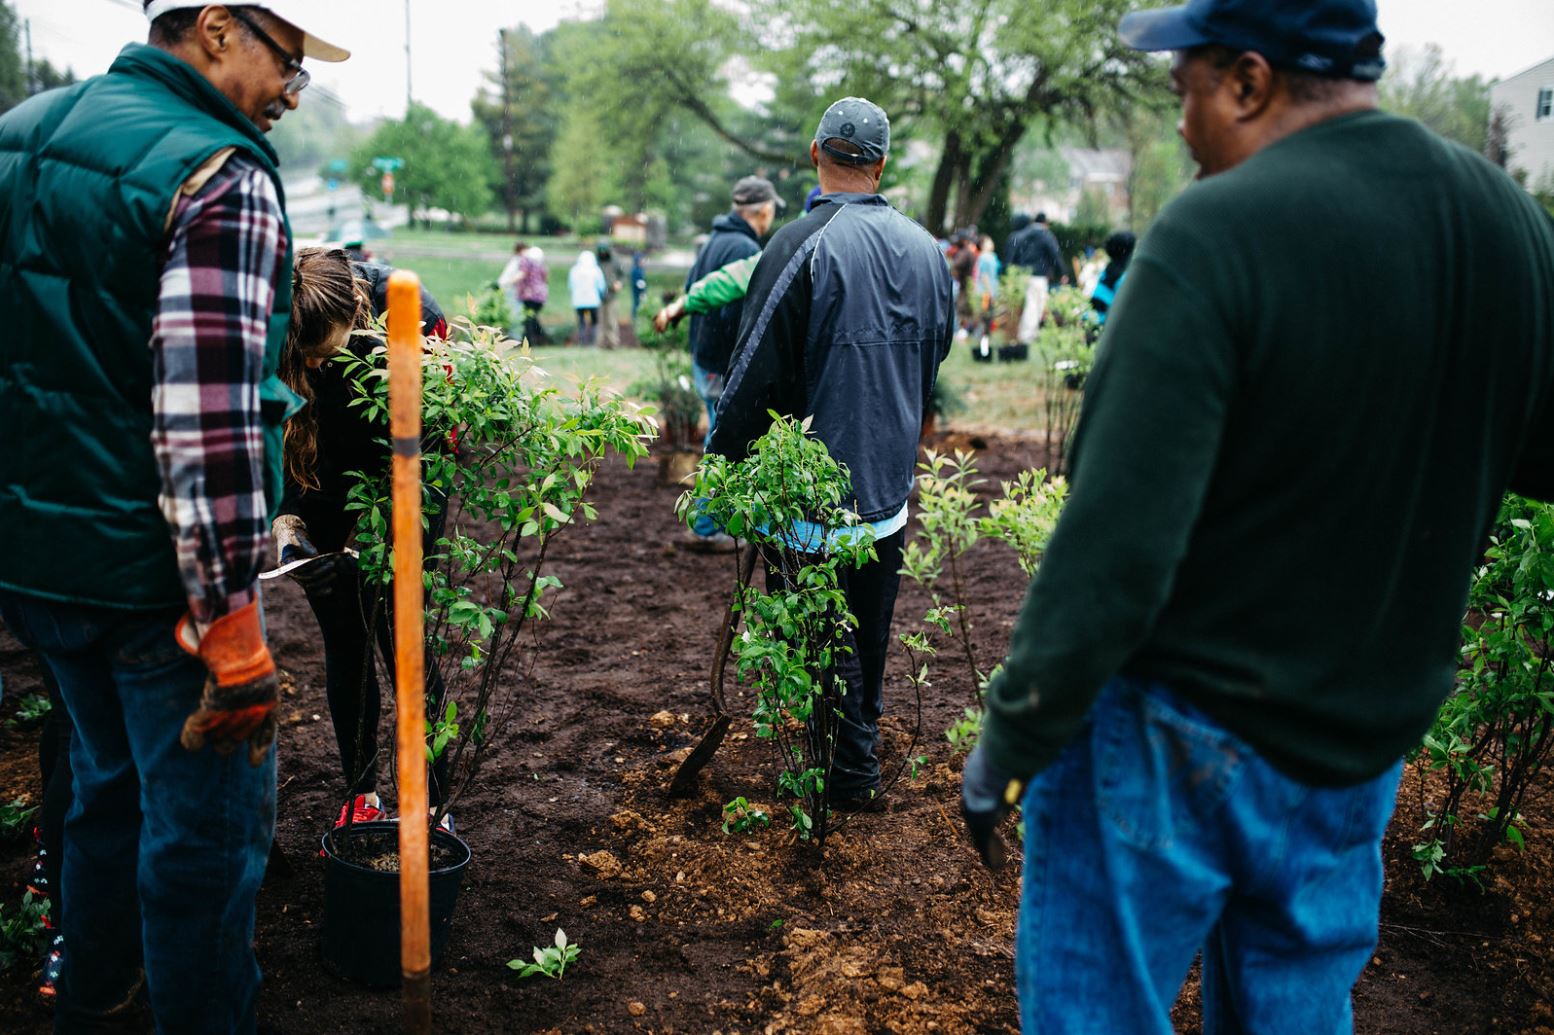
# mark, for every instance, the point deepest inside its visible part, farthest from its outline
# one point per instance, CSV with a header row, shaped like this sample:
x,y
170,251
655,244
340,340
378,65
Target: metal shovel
x,y
684,781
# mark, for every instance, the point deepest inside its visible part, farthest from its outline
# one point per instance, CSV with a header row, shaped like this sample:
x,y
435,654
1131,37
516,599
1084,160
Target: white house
x,y
1527,99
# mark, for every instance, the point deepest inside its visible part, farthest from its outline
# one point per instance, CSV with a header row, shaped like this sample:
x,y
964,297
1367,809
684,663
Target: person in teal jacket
x,y
132,553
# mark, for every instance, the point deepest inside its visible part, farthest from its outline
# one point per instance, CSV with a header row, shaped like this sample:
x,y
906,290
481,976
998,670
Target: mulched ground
x,y
685,929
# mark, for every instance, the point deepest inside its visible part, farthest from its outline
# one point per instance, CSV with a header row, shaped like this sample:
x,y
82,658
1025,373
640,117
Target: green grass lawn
x,y
995,397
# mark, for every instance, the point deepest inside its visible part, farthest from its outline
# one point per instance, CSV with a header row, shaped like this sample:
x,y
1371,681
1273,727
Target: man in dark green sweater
x,y
1331,358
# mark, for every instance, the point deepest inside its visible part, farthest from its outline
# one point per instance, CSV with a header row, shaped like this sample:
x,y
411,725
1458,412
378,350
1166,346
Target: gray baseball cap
x,y
857,122
753,190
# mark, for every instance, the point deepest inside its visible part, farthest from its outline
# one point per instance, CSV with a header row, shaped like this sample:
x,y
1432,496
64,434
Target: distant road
x,y
314,208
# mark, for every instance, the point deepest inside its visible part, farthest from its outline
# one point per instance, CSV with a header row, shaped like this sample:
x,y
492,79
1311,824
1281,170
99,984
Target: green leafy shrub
x,y
519,476
492,309
951,520
1064,359
793,632
947,527
679,407
1495,733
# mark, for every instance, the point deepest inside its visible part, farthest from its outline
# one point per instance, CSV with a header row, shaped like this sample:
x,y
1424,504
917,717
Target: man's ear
x,y
814,153
215,32
879,171
1251,81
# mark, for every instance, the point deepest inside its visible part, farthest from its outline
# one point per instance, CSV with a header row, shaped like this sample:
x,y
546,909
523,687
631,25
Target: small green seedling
x,y
30,711
741,817
23,932
551,961
15,818
918,762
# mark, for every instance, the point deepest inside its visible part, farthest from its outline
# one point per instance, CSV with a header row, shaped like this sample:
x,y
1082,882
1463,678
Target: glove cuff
x,y
233,648
288,530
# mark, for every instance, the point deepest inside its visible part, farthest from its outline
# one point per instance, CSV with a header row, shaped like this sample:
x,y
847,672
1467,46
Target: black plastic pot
x,y
1014,353
361,905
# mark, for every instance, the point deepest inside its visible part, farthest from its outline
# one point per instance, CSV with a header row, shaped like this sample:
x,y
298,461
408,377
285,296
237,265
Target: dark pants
x,y
164,848
346,606
533,331
587,326
54,769
355,619
871,596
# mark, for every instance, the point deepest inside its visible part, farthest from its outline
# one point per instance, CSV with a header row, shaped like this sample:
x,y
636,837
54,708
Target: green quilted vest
x,y
88,175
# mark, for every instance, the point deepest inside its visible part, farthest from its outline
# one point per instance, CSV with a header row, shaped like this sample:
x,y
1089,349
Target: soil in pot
x,y
361,899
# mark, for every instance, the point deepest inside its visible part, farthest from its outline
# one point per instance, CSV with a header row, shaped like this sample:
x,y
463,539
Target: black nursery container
x,y
361,905
1014,352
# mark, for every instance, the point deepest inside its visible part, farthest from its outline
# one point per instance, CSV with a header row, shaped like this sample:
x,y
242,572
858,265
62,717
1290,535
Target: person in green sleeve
x,y
145,258
717,289
1309,398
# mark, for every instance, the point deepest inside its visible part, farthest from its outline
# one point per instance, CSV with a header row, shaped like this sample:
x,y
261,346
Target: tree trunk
x,y
977,192
939,195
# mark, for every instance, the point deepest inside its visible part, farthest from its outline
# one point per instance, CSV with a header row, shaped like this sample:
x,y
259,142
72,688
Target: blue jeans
x,y
1158,833
164,848
709,386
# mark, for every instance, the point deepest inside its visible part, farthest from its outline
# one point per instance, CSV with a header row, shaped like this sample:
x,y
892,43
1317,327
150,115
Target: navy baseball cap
x,y
1336,38
855,131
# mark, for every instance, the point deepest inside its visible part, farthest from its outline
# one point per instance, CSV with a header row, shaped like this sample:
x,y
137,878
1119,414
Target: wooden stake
x,y
415,948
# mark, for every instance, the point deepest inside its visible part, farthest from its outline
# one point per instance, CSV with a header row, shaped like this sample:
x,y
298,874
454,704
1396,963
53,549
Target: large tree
x,y
13,67
630,132
978,74
1422,84
446,165
522,114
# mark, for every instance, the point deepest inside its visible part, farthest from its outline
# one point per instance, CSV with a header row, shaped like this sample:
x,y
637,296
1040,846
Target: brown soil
x,y
686,929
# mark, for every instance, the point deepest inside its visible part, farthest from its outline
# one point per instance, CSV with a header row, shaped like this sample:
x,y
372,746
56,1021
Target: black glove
x,y
986,796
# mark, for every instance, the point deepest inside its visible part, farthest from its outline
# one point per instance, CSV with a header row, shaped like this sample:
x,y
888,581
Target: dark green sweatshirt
x,y
1323,371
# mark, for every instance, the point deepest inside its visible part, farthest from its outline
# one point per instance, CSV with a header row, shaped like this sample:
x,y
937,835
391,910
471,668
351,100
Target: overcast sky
x,y
454,41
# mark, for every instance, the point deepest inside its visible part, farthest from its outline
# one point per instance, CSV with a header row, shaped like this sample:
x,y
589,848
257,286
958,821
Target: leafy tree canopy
x,y
446,165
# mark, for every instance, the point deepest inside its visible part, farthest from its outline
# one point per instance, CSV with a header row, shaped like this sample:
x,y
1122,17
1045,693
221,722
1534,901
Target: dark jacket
x,y
847,326
713,334
1036,250
348,439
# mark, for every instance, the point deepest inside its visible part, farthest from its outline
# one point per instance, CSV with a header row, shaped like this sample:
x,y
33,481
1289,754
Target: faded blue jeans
x,y
709,385
1159,833
164,848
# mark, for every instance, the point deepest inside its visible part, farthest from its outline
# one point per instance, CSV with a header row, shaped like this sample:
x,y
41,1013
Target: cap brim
x,y
1163,29
319,50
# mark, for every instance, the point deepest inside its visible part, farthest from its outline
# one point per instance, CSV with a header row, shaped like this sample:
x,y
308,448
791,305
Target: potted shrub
x,y
514,456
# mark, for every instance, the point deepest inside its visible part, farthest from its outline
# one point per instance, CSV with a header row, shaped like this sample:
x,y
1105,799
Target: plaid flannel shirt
x,y
225,247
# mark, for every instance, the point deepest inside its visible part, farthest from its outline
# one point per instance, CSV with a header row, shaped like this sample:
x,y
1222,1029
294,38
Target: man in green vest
x,y
145,256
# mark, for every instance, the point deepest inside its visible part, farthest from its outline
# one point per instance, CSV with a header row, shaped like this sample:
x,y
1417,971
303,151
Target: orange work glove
x,y
241,693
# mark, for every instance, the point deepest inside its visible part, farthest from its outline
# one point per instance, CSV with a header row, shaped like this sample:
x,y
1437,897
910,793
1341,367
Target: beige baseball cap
x,y
294,12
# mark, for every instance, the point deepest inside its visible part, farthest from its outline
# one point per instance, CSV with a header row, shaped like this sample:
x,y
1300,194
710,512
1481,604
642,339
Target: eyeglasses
x,y
299,75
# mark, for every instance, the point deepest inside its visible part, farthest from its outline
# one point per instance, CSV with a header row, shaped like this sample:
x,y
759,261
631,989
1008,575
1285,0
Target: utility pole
x,y
408,93
507,131
32,81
